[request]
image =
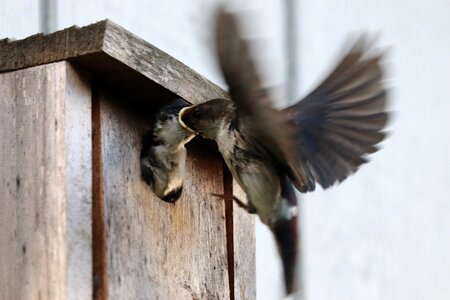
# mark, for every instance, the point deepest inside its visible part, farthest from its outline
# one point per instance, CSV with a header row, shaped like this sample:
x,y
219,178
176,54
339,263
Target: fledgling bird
x,y
322,139
163,155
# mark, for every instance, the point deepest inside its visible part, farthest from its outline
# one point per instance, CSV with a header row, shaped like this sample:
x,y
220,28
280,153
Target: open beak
x,y
180,119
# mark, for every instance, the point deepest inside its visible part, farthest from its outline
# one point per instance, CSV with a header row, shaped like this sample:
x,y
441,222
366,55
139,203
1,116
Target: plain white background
x,y
385,233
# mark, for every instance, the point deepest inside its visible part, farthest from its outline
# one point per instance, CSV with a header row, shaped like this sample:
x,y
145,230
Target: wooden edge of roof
x,y
113,54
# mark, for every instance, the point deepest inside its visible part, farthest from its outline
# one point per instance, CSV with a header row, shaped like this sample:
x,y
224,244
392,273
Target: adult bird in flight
x,y
322,138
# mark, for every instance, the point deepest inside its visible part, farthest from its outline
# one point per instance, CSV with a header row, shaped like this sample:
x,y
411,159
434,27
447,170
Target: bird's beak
x,y
180,119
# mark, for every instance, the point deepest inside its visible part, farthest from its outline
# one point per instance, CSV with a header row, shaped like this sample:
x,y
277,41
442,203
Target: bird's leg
x,y
248,207
240,203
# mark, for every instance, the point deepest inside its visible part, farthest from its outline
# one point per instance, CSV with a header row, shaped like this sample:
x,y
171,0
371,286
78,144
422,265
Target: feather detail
x,y
341,121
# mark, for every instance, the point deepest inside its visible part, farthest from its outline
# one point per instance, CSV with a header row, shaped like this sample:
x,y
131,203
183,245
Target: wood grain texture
x,y
99,255
78,183
45,215
116,56
143,248
157,250
244,249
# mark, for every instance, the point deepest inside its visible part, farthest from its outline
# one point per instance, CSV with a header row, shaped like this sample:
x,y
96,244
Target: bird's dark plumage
x,y
163,154
341,121
322,138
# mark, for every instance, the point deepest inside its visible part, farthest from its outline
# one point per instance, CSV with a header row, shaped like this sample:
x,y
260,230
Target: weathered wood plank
x,y
117,56
78,156
159,66
157,250
192,262
45,159
244,249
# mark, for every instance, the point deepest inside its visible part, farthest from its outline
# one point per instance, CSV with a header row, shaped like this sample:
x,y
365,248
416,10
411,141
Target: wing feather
x,y
326,136
264,125
341,121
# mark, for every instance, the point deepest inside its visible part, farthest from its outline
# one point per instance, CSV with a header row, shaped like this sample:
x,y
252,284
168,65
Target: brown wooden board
x,y
157,250
45,184
124,61
244,249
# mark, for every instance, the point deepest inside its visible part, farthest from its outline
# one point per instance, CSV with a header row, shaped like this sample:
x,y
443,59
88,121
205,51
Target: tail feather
x,y
286,236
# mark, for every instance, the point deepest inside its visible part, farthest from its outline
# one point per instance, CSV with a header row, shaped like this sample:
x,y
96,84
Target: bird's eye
x,y
197,113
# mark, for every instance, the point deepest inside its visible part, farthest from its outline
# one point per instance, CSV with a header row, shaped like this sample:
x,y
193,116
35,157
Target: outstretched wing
x,y
264,125
342,119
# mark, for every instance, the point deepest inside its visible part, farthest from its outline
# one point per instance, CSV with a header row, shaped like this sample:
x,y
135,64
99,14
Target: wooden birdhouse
x,y
76,219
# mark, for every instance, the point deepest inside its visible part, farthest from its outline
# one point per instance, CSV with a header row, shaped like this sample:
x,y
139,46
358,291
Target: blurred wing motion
x,y
266,125
263,127
322,138
341,120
